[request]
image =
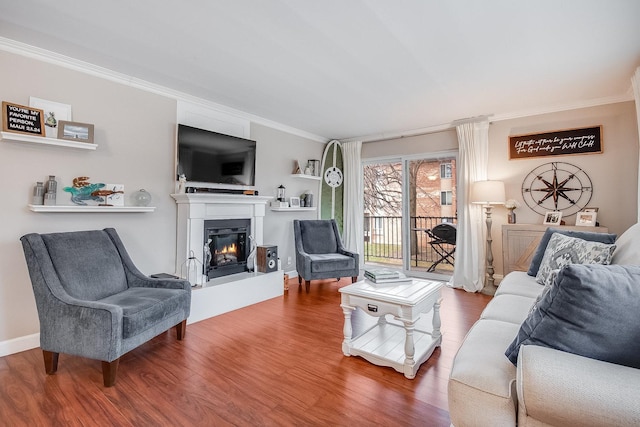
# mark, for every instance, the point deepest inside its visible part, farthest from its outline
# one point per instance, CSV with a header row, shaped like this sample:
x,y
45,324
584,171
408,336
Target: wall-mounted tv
x,y
214,160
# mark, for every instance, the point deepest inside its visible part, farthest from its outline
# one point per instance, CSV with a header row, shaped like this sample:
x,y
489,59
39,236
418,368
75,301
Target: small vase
x,y
511,217
141,198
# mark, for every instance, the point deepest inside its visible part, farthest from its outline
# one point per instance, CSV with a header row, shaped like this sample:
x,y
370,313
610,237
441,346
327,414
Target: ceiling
x,y
353,68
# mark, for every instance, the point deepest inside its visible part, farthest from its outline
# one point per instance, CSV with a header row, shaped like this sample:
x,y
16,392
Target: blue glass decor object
x,y
82,191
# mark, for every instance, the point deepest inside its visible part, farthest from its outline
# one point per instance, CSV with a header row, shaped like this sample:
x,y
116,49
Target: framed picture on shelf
x,y
53,113
21,119
586,218
294,202
74,131
552,218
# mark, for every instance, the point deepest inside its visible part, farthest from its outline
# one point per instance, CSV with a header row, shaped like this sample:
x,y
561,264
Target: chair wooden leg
x,y
181,329
299,279
354,279
307,284
109,371
50,361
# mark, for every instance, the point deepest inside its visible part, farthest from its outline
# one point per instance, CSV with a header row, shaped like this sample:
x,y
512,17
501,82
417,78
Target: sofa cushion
x,y
323,263
519,283
482,378
591,311
563,250
508,308
143,308
627,251
544,241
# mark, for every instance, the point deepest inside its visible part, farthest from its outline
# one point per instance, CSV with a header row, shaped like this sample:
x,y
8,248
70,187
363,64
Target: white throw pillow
x,y
563,250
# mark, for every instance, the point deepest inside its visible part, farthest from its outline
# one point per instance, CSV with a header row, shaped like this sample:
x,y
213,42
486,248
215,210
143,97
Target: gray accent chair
x,y
93,302
320,254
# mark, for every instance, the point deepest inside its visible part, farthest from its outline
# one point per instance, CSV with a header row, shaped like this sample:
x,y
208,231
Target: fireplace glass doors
x,y
226,246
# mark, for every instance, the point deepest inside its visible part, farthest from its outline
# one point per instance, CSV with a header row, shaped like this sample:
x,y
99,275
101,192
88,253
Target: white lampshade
x,y
488,192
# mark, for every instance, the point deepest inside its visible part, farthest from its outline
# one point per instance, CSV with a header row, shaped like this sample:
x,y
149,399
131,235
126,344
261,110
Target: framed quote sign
x,y
21,119
556,143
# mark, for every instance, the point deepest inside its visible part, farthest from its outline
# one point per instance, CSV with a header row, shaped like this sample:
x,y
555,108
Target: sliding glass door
x,y
410,214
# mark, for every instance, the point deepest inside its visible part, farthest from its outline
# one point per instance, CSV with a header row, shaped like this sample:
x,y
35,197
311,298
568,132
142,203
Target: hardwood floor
x,y
274,363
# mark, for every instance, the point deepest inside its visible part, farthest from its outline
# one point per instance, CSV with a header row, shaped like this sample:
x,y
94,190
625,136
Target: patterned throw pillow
x,y
563,250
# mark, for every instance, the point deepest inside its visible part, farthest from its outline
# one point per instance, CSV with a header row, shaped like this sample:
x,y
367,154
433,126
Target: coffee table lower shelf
x,y
384,345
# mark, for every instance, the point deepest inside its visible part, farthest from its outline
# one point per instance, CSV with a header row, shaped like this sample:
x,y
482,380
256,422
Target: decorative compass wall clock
x,y
557,186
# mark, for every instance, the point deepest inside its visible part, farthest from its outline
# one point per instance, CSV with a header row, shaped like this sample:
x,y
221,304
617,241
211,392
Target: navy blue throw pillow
x,y
591,310
584,235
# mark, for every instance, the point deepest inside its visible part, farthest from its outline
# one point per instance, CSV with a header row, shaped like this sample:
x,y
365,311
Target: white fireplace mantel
x,y
195,208
227,293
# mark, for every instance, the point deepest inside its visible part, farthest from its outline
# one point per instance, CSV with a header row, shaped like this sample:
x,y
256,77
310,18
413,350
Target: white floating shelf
x,y
17,137
313,208
301,175
77,208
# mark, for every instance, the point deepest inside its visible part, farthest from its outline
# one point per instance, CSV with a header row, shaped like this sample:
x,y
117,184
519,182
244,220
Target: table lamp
x,y
488,193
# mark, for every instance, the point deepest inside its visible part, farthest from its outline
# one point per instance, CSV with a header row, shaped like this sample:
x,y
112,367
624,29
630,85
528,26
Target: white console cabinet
x,y
520,241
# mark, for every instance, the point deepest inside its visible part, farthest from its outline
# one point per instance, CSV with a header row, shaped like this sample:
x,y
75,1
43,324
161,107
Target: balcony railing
x,y
383,240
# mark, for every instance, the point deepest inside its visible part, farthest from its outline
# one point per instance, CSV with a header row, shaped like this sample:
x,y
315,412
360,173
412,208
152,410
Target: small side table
x,y
401,347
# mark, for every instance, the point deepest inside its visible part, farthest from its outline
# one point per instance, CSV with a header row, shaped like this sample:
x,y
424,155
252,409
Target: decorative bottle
x,y
38,194
50,195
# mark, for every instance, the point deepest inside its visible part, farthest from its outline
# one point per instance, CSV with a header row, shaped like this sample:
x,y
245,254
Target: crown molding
x,y
23,49
625,97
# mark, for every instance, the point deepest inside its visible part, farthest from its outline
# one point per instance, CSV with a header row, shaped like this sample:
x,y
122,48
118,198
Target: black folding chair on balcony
x,y
442,238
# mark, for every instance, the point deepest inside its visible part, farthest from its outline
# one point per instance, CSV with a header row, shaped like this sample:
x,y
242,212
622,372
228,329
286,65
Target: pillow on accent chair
x,y
591,311
584,235
563,250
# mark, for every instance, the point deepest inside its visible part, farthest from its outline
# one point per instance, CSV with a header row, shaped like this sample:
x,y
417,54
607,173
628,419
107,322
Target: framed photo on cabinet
x,y
552,218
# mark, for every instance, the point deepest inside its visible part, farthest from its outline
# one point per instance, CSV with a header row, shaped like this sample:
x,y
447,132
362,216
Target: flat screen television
x,y
215,160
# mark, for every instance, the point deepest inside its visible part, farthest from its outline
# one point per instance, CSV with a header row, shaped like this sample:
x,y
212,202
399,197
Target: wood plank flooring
x,y
277,363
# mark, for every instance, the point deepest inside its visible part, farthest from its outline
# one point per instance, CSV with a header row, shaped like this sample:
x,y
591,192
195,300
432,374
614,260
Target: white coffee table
x,y
398,345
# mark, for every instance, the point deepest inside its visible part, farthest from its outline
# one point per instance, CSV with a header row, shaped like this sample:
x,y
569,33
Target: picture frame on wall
x,y
586,219
54,112
552,218
294,202
75,131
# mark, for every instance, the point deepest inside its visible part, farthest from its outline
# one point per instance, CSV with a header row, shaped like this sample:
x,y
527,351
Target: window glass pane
x,y
446,198
445,170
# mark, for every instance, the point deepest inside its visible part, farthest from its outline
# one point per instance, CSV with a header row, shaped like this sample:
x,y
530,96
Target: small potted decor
x,y
511,206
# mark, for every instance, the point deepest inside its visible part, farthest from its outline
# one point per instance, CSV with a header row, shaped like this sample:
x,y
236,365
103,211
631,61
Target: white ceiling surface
x,y
352,68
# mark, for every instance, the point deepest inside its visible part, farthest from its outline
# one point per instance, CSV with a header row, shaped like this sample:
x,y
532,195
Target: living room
x,y
135,130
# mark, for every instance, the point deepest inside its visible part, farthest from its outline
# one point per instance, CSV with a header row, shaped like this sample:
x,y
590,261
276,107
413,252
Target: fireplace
x,y
226,246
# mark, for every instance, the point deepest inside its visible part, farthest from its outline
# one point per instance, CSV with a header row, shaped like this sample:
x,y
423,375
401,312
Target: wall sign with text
x,y
20,119
556,143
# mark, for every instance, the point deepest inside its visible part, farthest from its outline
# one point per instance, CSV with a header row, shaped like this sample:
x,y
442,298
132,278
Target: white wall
x,y
135,131
274,169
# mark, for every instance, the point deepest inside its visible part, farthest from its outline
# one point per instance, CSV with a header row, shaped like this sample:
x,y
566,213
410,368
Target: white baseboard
x,y
19,344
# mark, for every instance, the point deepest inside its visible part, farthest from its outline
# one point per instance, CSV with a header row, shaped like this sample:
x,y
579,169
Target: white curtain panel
x,y
353,226
473,158
635,80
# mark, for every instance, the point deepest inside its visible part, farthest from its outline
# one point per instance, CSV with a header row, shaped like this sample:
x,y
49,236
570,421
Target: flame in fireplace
x,y
231,249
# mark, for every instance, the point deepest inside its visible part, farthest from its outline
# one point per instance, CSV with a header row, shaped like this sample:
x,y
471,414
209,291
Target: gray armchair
x,y
320,254
93,302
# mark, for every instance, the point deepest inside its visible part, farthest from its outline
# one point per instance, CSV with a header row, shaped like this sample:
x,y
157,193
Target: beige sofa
x,y
548,387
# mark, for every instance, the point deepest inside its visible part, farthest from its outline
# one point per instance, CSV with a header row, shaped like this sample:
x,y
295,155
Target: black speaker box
x,y
267,259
